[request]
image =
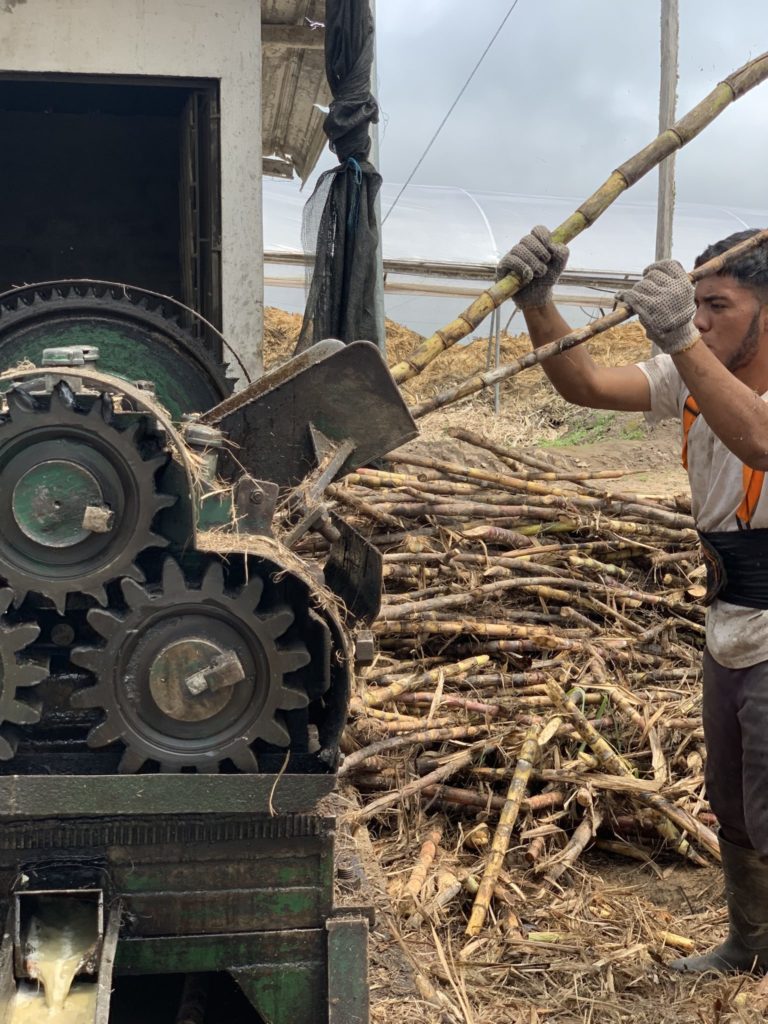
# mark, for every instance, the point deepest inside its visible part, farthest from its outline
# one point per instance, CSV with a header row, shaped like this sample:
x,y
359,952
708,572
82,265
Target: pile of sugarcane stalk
x,y
537,682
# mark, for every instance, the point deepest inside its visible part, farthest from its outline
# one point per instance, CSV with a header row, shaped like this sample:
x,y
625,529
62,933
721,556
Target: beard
x,y
748,347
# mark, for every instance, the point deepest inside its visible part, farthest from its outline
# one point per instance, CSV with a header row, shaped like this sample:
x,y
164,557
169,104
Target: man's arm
x,y
575,374
736,415
538,262
664,300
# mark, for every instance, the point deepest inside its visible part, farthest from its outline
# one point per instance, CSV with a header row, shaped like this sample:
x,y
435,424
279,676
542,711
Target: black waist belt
x,y
737,566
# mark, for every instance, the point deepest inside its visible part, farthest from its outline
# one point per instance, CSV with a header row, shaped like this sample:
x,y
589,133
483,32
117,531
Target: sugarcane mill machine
x,y
174,676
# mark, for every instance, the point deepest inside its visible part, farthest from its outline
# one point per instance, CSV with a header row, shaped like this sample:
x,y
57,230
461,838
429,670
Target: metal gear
x,y
77,499
131,328
191,676
15,674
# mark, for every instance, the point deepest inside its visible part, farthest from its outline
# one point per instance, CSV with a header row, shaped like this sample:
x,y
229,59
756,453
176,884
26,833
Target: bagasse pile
x,y
536,695
523,771
554,628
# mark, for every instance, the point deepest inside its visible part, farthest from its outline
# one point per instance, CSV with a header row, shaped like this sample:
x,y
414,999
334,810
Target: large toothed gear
x,y
191,676
15,675
132,328
77,496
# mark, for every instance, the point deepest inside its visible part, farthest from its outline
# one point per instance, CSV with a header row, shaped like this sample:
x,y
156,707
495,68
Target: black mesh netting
x,y
339,223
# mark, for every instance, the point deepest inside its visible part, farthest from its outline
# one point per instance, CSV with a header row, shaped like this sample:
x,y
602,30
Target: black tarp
x,y
339,222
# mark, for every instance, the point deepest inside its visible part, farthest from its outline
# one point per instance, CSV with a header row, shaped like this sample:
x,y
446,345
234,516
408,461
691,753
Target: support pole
x,y
497,363
378,298
670,31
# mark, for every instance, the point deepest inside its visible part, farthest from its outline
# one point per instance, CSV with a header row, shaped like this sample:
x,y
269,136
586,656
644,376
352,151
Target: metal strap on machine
x,y
752,478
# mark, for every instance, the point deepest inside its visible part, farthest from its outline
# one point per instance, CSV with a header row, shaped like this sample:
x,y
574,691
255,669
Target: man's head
x,y
732,306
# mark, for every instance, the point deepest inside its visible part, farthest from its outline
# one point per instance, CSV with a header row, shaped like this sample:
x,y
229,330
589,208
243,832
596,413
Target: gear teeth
x,y
245,761
292,699
88,697
252,592
141,749
103,735
213,580
157,462
131,762
62,413
278,621
88,658
7,748
6,597
293,657
134,593
63,396
275,733
27,673
99,594
20,404
23,714
131,433
173,577
23,634
103,408
106,624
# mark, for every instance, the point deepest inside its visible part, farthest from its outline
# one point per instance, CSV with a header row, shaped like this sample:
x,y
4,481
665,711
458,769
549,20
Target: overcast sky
x,y
567,92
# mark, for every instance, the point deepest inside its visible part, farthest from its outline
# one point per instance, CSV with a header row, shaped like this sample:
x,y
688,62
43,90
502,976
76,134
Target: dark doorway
x,y
112,181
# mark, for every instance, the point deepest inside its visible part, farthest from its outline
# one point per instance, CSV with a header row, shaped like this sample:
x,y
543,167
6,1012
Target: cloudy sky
x,y
568,91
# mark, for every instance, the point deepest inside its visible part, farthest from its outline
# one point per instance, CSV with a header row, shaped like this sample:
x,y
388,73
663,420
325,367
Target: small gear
x,y
191,676
78,496
16,674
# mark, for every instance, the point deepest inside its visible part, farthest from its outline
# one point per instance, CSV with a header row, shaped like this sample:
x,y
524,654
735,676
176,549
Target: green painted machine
x,y
174,677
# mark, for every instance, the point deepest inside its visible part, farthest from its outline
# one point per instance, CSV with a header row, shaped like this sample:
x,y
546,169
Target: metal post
x,y
497,388
670,30
378,296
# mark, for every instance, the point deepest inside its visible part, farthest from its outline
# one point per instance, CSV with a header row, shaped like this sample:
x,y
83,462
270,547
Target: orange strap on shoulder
x,y
690,412
752,478
753,485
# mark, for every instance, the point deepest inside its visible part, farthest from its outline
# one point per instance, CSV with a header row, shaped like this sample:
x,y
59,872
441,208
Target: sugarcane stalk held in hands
x,y
480,381
630,172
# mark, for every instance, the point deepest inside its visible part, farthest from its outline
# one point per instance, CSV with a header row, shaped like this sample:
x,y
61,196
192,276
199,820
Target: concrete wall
x,y
177,38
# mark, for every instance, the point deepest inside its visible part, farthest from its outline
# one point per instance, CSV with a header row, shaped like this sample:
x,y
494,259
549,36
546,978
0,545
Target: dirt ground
x,y
600,966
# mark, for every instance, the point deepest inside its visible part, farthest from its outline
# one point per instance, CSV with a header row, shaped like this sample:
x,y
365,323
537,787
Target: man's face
x,y
731,320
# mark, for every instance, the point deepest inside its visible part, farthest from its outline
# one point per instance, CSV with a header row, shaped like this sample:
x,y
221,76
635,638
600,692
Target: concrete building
x,y
135,134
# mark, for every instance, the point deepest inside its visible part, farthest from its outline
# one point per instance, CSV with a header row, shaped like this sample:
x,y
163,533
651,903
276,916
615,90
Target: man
x,y
713,376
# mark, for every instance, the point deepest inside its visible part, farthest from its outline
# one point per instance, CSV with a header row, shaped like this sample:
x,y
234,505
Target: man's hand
x,y
538,260
663,300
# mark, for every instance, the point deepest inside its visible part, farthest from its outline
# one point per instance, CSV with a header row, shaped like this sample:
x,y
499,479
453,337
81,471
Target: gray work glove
x,y
663,300
538,260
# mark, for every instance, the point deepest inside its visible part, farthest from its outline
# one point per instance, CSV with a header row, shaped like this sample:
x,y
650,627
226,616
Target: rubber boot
x,y
746,892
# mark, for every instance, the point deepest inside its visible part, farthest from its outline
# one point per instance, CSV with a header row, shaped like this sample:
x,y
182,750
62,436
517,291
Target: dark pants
x,y
736,732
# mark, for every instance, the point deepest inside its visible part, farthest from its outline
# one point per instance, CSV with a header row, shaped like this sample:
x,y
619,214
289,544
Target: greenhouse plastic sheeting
x,y
451,225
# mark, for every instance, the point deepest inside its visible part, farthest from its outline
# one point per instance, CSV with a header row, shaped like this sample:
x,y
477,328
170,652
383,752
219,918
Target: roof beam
x,y
600,279
298,37
275,167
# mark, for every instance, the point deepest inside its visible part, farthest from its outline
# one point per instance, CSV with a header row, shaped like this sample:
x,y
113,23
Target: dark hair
x,y
751,269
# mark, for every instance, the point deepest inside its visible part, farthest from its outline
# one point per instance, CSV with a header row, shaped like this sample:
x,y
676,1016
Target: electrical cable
x,y
440,127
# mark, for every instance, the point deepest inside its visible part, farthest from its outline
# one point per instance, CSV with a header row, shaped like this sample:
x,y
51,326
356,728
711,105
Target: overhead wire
x,y
440,127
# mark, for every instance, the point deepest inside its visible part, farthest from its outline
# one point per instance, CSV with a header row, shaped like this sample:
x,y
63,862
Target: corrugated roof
x,y
293,86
